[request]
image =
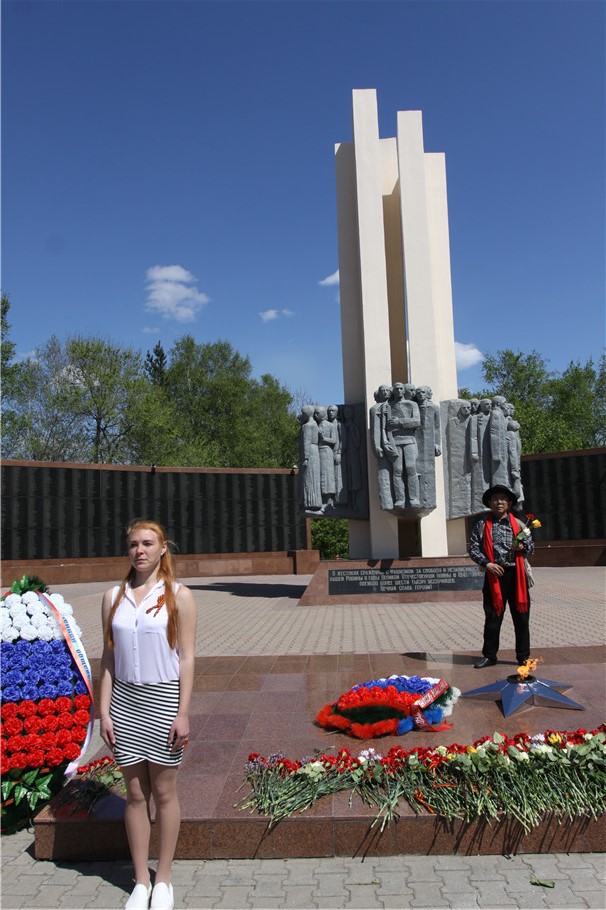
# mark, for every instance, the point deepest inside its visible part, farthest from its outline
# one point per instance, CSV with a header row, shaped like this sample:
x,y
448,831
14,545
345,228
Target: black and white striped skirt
x,y
142,716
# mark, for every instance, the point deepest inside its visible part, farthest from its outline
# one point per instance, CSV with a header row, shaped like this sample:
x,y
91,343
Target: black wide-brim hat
x,y
499,488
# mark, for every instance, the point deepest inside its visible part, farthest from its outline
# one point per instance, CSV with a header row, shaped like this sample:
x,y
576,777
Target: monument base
x,y
414,580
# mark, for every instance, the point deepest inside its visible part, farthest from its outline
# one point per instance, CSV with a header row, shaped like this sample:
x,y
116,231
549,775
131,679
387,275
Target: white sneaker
x,y
162,897
139,899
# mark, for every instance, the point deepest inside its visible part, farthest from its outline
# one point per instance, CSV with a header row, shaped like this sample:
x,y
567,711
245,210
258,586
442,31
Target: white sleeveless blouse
x,y
141,651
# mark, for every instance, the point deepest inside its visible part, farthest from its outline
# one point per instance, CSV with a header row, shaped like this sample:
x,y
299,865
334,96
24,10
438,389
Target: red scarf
x,y
521,604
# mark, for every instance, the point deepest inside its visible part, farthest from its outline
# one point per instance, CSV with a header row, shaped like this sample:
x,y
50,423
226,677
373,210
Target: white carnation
x,y
66,609
57,599
5,618
10,634
20,619
46,633
35,608
28,632
12,600
40,618
18,609
29,597
54,625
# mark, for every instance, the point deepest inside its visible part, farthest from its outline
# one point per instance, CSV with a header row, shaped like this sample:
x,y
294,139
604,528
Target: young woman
x,y
147,672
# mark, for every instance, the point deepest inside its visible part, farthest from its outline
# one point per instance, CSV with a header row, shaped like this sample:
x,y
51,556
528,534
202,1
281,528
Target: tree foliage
x,y
557,412
240,422
330,537
73,403
91,400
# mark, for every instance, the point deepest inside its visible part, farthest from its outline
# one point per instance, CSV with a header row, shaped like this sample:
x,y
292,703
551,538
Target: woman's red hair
x,y
165,573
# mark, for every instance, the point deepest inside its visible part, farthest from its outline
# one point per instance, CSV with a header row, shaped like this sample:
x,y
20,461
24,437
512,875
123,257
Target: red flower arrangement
x,y
390,706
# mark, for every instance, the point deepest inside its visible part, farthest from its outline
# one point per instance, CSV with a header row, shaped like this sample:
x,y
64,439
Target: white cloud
x,y
151,330
467,355
330,280
270,315
171,292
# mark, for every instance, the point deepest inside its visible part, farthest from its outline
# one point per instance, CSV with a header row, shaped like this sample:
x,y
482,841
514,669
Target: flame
x,y
528,667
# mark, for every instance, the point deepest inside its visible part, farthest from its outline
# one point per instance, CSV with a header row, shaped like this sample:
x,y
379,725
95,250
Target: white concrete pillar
x,y
396,296
364,299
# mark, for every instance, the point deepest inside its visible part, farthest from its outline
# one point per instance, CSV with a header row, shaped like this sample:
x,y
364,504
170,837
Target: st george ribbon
x,y
516,691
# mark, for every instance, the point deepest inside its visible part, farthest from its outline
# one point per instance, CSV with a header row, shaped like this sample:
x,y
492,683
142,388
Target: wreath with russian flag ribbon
x,y
391,707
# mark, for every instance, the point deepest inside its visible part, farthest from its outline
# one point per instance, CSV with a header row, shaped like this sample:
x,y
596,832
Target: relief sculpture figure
x,y
459,459
514,454
332,413
497,428
429,445
402,421
310,491
480,412
327,443
378,439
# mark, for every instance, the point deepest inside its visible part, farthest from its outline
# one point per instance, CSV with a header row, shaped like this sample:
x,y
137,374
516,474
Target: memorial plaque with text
x,y
401,580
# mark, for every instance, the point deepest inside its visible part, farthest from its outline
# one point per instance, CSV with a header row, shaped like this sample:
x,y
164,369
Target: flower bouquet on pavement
x,y
391,706
46,701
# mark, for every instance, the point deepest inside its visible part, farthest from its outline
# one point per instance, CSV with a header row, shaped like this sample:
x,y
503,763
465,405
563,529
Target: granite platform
x,y
267,703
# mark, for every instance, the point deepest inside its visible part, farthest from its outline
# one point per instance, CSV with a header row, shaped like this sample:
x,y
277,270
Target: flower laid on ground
x,y
45,698
392,705
92,781
521,777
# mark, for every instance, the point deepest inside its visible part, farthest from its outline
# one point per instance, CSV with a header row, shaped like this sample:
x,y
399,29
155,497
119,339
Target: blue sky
x,y
168,168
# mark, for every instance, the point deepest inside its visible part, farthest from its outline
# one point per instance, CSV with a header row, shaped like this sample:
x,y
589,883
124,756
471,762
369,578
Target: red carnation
x,y
8,710
14,743
33,724
50,723
81,718
35,759
48,740
31,742
46,706
71,751
54,757
17,761
26,708
63,703
65,721
82,701
12,726
78,734
62,738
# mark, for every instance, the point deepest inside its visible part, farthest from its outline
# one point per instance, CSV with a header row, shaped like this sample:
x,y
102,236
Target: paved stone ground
x,y
260,616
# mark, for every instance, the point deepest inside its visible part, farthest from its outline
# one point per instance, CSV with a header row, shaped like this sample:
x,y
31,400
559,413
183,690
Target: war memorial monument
x,y
406,462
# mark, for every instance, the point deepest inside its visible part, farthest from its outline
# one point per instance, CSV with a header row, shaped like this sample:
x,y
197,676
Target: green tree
x,y
8,347
102,381
75,403
224,417
11,374
155,365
